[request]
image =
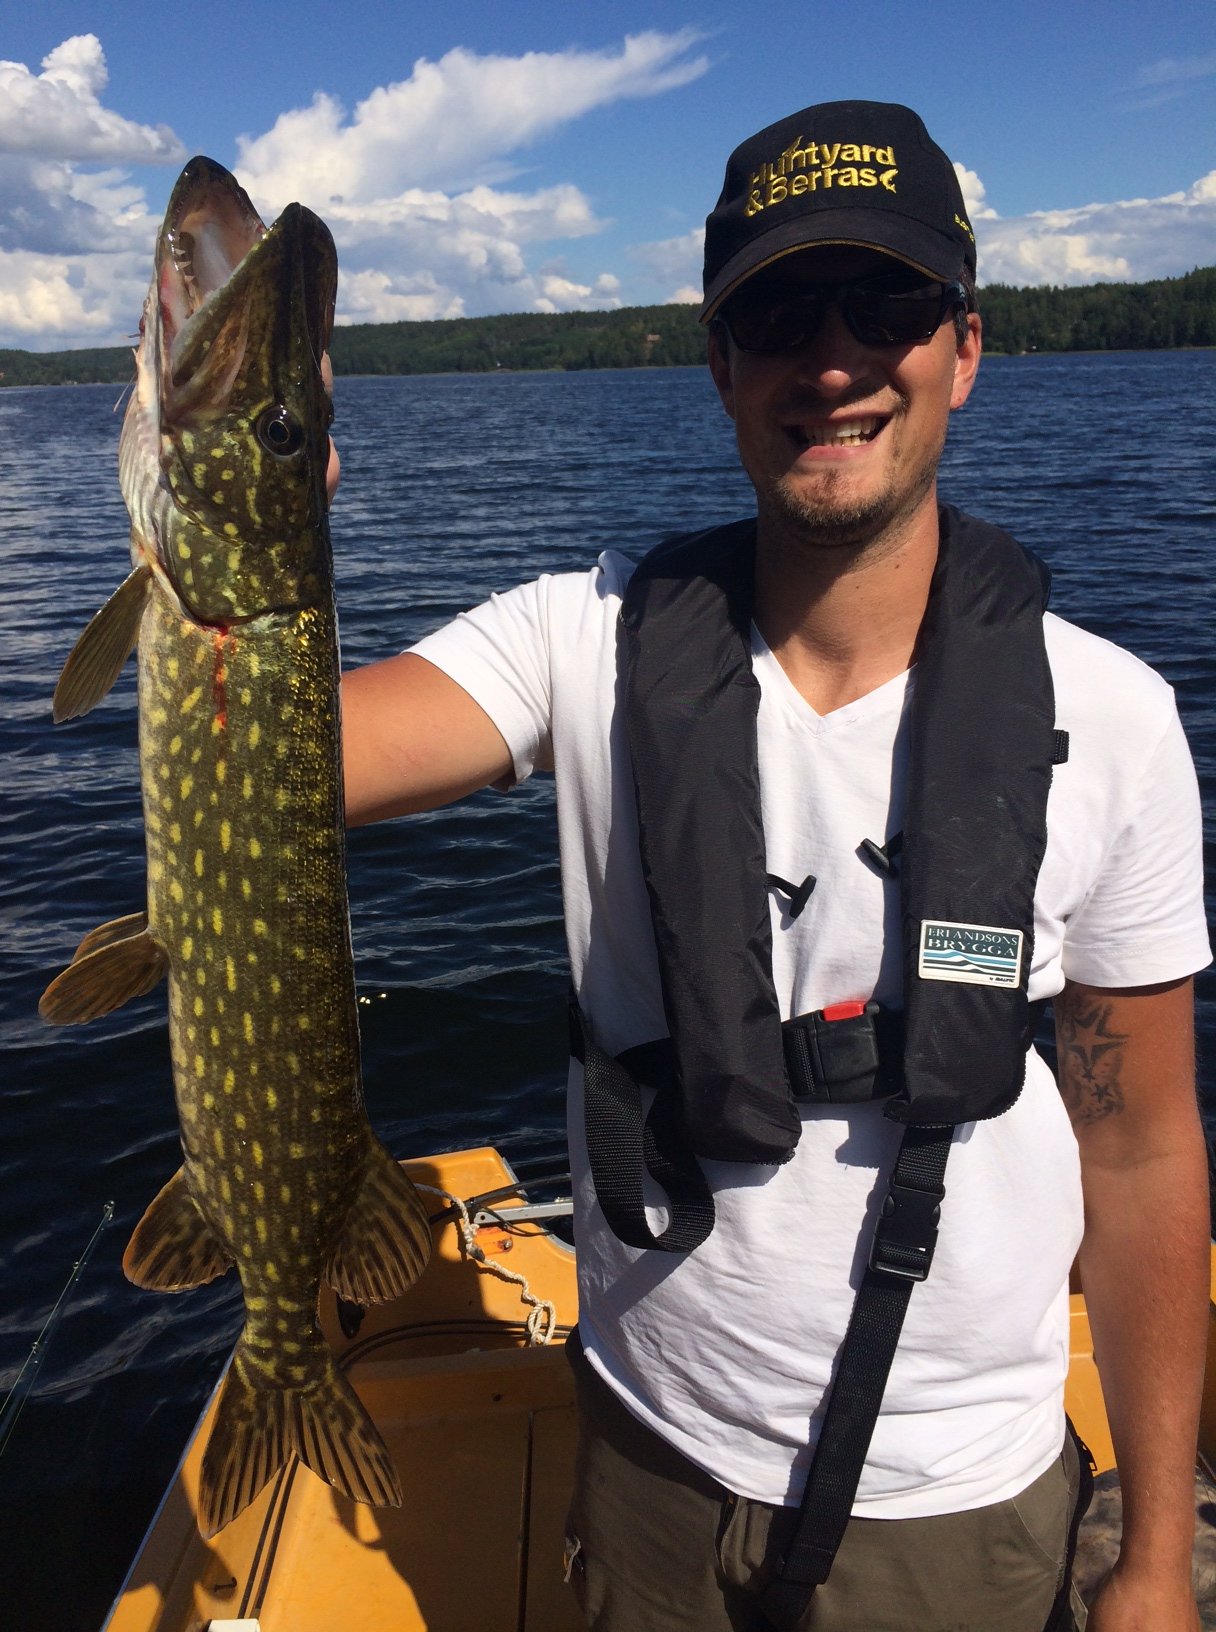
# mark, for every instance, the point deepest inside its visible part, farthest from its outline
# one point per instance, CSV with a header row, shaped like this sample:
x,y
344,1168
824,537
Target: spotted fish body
x,y
222,465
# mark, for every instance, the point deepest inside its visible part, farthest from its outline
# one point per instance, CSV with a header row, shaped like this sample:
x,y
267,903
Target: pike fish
x,y
222,465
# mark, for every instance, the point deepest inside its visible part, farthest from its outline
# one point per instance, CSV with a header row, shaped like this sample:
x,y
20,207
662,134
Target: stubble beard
x,y
830,522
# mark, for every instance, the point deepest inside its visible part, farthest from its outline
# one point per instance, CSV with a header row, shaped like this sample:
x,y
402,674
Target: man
x,y
803,776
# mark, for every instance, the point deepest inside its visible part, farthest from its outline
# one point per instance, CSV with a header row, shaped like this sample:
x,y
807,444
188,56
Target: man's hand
x,y
1125,1604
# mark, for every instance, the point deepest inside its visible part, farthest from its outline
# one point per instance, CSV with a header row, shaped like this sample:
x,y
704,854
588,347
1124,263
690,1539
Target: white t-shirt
x,y
727,1351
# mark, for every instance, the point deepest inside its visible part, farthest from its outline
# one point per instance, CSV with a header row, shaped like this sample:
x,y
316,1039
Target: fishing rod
x,y
24,1383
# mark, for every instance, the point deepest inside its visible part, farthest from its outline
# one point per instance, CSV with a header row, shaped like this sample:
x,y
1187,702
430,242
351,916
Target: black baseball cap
x,y
856,173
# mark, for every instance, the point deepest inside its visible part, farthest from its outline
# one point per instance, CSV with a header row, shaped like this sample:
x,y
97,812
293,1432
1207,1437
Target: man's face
x,y
841,439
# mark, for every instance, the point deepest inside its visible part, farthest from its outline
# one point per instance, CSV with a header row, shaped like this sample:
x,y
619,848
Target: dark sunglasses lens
x,y
882,319
781,326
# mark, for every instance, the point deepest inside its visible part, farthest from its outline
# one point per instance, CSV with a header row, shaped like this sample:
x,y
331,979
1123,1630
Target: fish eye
x,y
279,433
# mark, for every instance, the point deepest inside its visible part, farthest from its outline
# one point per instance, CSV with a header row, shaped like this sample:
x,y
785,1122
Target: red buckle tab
x,y
843,1011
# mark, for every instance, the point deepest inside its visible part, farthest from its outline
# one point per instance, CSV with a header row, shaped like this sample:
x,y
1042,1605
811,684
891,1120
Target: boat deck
x,y
481,1429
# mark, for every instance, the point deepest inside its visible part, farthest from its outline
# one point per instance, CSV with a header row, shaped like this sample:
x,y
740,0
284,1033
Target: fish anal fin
x,y
260,1423
174,1246
118,929
94,662
385,1242
103,979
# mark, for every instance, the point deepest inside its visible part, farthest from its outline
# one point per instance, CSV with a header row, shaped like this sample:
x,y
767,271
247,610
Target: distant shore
x,y
1164,315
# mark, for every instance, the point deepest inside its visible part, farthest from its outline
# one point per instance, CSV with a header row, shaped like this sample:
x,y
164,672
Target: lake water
x,y
452,487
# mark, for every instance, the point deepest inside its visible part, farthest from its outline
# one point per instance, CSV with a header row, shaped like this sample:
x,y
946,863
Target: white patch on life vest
x,y
970,954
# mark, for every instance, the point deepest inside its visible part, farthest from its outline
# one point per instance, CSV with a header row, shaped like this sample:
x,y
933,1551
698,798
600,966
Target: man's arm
x,y
1127,1074
413,739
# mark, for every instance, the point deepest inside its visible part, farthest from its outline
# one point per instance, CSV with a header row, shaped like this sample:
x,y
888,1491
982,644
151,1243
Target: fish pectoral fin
x,y
118,929
260,1423
174,1246
94,662
111,973
385,1242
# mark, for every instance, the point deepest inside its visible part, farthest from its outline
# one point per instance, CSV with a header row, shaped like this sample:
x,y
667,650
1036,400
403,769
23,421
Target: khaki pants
x,y
656,1545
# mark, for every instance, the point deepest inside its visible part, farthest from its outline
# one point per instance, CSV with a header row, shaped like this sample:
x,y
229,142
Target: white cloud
x,y
58,114
454,122
1129,240
413,179
675,263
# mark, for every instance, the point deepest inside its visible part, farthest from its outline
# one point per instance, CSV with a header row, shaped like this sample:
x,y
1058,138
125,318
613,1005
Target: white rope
x,y
541,1322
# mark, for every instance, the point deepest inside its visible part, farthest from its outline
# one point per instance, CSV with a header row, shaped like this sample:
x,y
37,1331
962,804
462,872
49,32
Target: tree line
x,y
1161,315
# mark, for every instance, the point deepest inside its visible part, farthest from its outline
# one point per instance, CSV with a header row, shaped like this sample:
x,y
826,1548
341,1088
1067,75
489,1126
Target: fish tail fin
x,y
385,1242
259,1425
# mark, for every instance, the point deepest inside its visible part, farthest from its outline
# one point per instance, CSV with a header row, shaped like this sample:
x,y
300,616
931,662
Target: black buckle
x,y
906,1232
842,1059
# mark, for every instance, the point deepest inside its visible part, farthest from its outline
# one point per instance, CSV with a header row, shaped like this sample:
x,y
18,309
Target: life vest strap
x,y
902,1252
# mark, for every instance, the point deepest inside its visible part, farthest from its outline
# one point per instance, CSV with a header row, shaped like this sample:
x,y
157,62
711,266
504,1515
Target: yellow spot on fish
x,y
281,799
239,1119
256,1304
293,1063
272,1274
215,1036
255,734
175,832
173,668
272,1100
198,864
217,920
230,971
247,889
276,985
259,1225
200,1065
199,1006
260,927
188,948
229,1080
175,890
234,556
190,700
187,786
156,871
304,1021
225,836
160,716
247,1022
284,1193
200,976
296,1152
247,787
175,745
221,770
184,551
259,1155
231,529
246,696
208,1101
255,849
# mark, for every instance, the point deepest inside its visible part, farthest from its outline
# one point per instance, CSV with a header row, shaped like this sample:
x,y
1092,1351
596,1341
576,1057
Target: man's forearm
x,y
1127,1076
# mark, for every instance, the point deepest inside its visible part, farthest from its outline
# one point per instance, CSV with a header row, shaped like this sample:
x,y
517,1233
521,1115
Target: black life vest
x,y
983,742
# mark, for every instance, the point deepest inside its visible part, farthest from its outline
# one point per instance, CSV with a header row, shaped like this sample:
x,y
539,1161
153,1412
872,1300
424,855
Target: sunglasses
x,y
880,311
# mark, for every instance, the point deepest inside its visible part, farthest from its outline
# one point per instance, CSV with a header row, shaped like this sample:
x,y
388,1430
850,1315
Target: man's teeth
x,y
850,433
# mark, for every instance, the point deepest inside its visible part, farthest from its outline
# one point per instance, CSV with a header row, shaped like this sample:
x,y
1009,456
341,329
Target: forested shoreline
x,y
1165,314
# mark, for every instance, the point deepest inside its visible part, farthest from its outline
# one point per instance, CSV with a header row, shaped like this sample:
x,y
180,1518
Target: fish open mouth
x,y
216,265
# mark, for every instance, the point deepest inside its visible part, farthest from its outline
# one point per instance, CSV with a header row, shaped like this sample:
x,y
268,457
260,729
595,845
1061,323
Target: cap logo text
x,y
817,167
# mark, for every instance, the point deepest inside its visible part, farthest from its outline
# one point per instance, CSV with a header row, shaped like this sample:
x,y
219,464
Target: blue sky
x,y
505,156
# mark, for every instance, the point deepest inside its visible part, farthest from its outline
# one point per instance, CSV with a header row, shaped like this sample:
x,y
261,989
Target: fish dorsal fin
x,y
259,1423
174,1246
385,1242
95,660
98,981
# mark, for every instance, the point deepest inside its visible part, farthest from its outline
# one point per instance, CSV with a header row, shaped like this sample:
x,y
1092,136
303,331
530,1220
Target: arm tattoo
x,y
1090,1061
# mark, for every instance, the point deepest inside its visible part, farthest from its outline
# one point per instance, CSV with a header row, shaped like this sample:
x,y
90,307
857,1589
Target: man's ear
x,y
967,360
718,356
